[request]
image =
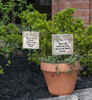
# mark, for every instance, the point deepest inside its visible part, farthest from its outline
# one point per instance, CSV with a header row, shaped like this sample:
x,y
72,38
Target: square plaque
x,y
62,44
30,40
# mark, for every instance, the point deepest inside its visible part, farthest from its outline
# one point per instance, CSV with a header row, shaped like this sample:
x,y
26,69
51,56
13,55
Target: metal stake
x,y
31,62
64,33
31,49
63,58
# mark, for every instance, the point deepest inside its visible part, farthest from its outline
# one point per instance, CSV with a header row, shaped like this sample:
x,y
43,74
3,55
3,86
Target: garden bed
x,y
16,82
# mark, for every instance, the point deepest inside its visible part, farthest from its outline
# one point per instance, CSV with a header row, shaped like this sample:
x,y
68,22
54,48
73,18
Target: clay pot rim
x,y
52,67
57,63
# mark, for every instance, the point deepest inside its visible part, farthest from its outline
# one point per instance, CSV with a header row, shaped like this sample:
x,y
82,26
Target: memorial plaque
x,y
62,44
30,40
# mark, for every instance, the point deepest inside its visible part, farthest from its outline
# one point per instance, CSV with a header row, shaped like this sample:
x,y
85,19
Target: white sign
x,y
62,44
30,40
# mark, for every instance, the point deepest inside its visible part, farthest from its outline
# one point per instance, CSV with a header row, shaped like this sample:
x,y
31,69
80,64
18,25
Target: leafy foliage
x,y
10,36
9,32
69,59
8,63
47,28
8,7
82,38
1,70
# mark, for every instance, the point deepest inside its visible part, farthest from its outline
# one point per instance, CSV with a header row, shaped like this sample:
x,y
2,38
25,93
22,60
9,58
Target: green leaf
x,y
74,75
9,62
1,71
7,65
58,72
56,66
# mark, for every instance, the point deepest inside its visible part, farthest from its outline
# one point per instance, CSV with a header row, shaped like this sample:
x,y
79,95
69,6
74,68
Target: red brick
x,y
90,19
85,12
76,13
86,20
85,0
74,5
68,0
62,5
54,0
53,12
62,0
90,5
55,6
73,0
84,5
79,5
90,11
75,18
61,10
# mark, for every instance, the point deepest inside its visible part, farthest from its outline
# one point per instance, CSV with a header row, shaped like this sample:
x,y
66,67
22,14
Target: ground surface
x,y
16,82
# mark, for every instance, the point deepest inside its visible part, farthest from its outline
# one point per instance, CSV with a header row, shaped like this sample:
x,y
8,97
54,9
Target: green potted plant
x,y
60,75
56,77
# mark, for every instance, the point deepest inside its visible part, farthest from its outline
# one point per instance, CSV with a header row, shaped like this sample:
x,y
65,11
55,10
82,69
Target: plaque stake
x,y
64,33
31,62
31,49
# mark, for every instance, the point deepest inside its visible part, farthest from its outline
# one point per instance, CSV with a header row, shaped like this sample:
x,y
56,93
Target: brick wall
x,y
90,10
83,8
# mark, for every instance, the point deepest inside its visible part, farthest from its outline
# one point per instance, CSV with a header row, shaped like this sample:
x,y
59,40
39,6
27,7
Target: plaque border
x,y
54,38
25,36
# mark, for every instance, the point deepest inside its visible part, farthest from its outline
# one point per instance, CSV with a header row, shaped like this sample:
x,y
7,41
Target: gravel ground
x,y
16,82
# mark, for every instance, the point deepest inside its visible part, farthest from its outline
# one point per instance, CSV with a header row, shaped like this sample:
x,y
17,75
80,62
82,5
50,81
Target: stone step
x,y
82,94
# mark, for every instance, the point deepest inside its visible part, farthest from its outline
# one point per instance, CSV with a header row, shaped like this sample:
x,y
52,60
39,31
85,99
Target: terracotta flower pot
x,y
62,84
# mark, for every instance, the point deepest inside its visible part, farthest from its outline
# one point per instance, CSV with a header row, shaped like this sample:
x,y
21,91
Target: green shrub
x,y
9,33
82,38
47,28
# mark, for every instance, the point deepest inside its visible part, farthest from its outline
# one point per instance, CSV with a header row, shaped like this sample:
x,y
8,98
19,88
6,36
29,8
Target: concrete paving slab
x,y
83,94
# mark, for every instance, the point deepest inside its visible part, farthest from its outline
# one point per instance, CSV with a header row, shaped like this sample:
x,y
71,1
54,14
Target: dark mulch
x,y
16,83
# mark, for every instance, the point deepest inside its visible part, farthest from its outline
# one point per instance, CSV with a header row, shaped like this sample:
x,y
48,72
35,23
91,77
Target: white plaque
x,y
62,44
30,40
